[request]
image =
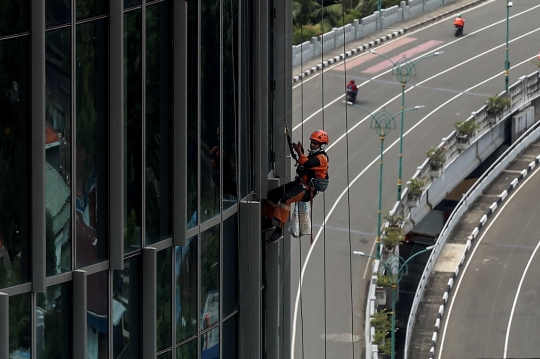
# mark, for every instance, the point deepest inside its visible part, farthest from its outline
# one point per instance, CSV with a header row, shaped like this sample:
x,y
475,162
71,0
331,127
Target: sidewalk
x,y
364,44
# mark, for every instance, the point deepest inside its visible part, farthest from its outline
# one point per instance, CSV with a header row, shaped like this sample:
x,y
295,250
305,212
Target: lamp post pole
x,y
396,268
507,63
379,5
382,122
405,68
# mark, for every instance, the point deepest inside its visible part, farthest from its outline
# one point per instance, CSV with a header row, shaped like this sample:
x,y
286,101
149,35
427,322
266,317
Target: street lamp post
x,y
405,68
507,63
395,268
382,122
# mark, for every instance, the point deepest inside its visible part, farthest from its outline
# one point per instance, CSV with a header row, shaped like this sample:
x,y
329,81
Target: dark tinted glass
x,y
164,299
58,141
97,317
20,326
186,289
130,3
192,112
133,130
158,123
14,16
210,276
230,267
166,355
230,107
14,161
210,109
92,143
230,338
187,350
89,8
57,12
53,322
127,310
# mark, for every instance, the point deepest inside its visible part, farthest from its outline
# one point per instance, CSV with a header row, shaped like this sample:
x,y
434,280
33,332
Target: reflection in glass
x,y
164,299
97,318
58,150
14,16
230,340
210,114
186,289
230,97
132,130
192,112
14,161
91,190
230,266
158,123
209,277
127,310
166,355
130,3
20,326
89,8
210,343
187,350
53,322
57,12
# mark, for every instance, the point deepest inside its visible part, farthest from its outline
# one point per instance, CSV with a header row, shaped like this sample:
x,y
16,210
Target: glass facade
x,y
63,136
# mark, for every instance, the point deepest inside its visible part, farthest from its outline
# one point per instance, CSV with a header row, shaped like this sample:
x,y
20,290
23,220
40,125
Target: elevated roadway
x,y
328,309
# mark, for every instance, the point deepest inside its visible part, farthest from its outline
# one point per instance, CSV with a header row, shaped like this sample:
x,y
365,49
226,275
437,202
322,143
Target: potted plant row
x,y
383,325
496,104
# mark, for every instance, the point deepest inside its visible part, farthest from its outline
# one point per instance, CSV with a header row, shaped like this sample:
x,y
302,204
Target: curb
x,y
379,41
470,239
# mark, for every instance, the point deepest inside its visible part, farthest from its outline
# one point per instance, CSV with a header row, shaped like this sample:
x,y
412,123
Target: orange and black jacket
x,y
313,166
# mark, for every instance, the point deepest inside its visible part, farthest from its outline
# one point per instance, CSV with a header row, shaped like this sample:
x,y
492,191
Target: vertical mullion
x,y
4,325
38,240
116,135
149,325
221,92
73,112
143,124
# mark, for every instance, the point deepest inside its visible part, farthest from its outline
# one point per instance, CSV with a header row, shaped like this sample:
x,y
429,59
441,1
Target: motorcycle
x,y
350,97
458,30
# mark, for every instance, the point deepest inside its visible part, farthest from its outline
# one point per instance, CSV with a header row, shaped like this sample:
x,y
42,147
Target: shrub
x,y
416,186
468,127
437,155
497,103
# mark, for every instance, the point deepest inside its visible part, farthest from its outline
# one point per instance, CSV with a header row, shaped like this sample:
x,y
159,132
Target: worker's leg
x,y
283,208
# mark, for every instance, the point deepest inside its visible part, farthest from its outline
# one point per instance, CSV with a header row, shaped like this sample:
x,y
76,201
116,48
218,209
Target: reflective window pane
x,y
166,355
57,12
186,289
210,109
158,123
164,299
187,350
230,338
130,3
53,322
58,150
132,130
127,310
209,277
192,113
14,161
230,266
97,318
230,98
89,8
14,16
91,187
20,326
210,343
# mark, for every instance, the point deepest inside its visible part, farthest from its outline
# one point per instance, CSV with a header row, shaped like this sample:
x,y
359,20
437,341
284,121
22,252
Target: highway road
x,y
494,310
330,303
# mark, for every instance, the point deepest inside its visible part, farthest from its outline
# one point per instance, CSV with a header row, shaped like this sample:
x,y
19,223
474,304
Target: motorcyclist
x,y
459,22
352,89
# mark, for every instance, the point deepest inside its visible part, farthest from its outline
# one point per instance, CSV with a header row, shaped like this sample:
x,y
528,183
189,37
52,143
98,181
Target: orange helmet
x,y
319,136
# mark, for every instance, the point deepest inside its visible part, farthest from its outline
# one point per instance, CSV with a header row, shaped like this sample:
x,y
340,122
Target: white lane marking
x,y
501,210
